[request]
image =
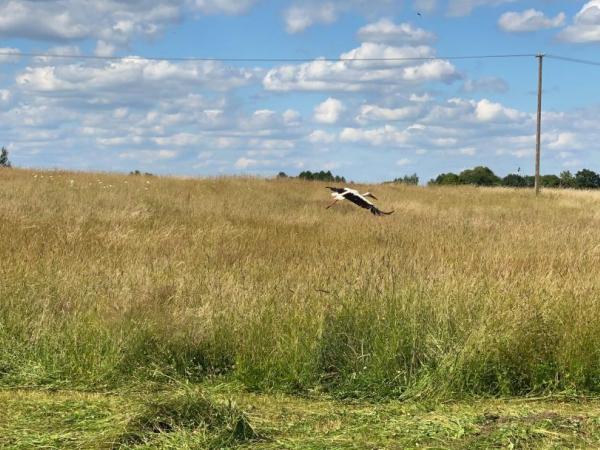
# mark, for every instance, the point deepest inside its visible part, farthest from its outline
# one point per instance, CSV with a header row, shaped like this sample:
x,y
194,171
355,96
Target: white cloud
x,y
565,141
298,18
223,6
352,76
9,55
329,111
304,14
104,49
403,162
149,155
132,75
425,6
321,137
292,117
529,20
244,163
585,26
487,111
387,32
386,135
113,22
468,151
370,113
465,7
488,84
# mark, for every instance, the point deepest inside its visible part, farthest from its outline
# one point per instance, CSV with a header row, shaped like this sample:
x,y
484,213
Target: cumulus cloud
x,y
529,20
298,18
329,111
9,55
386,135
425,6
371,113
486,111
244,163
585,26
302,15
113,22
374,73
487,84
131,76
321,137
387,32
223,6
465,7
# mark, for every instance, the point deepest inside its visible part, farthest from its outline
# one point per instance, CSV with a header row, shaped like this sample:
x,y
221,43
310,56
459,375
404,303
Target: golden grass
x,y
107,279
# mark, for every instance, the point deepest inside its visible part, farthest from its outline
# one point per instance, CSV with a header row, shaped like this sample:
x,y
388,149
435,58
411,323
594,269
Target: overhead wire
x,y
210,59
574,60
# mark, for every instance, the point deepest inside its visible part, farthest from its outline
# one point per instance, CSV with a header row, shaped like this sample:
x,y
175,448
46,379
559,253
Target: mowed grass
x,y
111,280
184,419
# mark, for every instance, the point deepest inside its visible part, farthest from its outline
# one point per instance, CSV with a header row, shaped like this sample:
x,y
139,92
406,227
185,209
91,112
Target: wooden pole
x,y
538,135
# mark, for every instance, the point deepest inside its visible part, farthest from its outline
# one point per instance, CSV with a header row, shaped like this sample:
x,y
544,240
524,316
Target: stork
x,y
355,197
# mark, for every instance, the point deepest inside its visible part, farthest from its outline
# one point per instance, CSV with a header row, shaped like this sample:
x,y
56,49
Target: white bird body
x,y
355,197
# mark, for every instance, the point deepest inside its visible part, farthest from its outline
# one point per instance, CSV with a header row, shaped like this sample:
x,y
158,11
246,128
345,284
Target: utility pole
x,y
540,57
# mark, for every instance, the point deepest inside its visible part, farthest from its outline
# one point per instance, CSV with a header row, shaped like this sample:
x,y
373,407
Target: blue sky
x,y
369,121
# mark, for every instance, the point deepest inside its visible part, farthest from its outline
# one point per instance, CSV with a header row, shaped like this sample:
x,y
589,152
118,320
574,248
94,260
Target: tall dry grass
x,y
108,279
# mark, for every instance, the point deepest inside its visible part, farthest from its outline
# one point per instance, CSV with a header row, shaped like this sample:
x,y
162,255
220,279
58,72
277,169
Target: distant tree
x,y
529,181
407,179
514,180
4,162
446,179
550,181
281,175
138,173
567,180
321,176
587,179
479,176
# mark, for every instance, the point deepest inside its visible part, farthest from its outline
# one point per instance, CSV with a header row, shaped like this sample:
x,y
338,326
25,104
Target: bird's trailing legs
x,y
331,204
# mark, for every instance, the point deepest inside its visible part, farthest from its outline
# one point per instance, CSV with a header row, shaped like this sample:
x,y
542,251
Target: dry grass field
x,y
112,283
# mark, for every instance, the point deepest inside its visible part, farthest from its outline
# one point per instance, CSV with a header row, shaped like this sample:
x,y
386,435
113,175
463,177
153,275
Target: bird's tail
x,y
378,212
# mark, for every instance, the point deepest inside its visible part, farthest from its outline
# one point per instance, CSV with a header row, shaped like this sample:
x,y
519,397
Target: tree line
x,y
484,176
316,176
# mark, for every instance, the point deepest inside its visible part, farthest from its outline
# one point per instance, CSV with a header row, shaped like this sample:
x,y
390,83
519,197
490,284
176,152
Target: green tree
x,y
479,176
321,176
514,180
407,179
567,180
281,175
550,181
4,162
446,179
587,179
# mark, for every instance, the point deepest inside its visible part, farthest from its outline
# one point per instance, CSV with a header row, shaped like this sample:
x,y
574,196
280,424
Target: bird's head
x,y
368,194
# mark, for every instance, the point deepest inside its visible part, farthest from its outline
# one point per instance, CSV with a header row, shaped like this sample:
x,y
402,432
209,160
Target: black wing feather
x,y
338,190
358,200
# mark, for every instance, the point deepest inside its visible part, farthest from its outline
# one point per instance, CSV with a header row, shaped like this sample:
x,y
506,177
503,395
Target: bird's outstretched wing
x,y
335,189
364,203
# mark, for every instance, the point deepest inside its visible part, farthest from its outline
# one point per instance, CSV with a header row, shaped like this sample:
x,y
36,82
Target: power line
x,y
574,60
208,59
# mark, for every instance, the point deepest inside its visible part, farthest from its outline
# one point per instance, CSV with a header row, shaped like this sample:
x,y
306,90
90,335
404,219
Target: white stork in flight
x,y
355,197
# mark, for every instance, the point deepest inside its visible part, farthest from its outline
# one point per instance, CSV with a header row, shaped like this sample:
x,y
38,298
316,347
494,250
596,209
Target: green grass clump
x,y
161,419
188,410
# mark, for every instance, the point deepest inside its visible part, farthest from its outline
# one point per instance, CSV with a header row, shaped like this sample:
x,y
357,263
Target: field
x,y
158,312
